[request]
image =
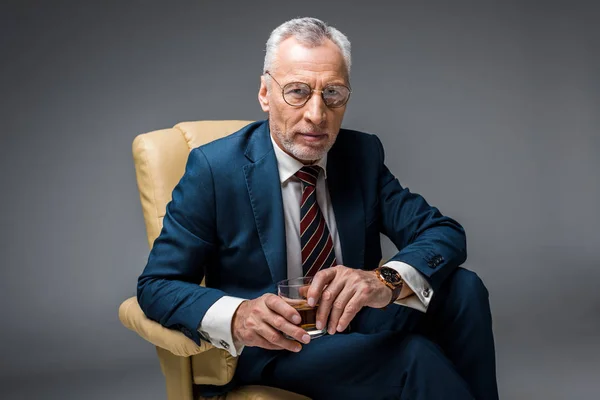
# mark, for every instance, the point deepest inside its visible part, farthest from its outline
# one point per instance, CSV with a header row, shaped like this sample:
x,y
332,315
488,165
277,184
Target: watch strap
x,y
396,292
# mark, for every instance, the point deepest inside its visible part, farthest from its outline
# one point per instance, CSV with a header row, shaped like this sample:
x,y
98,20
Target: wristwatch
x,y
392,279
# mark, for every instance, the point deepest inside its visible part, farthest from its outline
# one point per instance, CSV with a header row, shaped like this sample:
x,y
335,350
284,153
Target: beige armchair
x,y
160,157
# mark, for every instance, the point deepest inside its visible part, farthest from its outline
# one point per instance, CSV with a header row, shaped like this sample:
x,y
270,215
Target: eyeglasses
x,y
297,94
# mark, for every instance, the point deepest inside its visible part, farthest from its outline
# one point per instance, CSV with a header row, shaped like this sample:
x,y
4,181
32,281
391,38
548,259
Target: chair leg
x,y
178,375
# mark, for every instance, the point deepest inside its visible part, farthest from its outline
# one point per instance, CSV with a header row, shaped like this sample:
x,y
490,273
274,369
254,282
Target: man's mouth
x,y
313,136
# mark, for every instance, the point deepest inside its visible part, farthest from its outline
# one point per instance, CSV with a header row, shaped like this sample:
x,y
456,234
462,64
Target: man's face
x,y
308,132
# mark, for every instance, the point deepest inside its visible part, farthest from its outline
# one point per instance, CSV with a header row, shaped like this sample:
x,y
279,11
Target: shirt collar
x,y
288,165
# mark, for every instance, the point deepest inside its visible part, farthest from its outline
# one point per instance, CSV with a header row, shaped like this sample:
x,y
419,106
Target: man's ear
x,y
263,99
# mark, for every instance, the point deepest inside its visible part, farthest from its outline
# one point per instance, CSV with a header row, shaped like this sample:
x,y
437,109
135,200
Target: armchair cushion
x,y
160,157
132,316
254,392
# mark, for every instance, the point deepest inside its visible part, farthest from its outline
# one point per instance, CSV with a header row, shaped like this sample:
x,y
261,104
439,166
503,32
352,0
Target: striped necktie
x,y
315,240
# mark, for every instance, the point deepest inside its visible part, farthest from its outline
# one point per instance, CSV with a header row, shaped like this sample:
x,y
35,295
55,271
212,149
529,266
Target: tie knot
x,y
308,175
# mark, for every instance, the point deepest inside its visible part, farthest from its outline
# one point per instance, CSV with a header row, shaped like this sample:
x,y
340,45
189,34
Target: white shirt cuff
x,y
419,285
216,324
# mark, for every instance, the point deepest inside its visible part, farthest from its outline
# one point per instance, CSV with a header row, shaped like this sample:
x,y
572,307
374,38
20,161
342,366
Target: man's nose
x,y
315,109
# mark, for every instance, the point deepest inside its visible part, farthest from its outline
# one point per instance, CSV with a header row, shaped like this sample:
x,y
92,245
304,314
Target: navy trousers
x,y
394,353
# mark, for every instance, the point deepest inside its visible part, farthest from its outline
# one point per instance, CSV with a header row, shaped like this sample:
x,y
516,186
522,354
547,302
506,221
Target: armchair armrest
x,y
132,316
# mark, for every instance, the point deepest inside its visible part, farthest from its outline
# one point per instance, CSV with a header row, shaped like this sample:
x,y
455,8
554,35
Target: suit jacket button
x,y
224,344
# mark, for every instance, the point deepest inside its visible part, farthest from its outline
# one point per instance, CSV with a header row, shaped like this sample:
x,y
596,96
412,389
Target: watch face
x,y
391,275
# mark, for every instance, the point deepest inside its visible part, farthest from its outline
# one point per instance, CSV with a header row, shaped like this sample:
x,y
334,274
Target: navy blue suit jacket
x,y
225,223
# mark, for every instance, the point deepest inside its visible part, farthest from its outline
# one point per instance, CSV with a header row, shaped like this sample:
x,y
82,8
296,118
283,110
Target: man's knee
x,y
428,372
463,294
416,354
418,348
468,284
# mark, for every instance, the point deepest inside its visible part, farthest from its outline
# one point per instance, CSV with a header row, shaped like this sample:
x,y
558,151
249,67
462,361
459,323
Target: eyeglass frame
x,y
311,92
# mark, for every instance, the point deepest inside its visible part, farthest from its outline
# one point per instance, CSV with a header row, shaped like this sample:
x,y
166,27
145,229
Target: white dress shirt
x,y
216,324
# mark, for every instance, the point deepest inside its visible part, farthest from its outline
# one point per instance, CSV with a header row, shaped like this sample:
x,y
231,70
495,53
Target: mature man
x,y
418,327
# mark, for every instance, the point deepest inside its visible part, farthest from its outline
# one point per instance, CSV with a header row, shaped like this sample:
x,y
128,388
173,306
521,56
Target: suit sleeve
x,y
428,241
169,290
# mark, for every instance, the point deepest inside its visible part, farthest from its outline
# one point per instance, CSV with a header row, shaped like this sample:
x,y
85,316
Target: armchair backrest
x,y
160,157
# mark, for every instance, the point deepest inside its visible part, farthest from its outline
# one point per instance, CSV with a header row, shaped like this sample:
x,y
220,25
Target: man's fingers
x,y
352,308
303,291
328,297
285,318
321,278
279,306
294,331
276,338
339,305
261,342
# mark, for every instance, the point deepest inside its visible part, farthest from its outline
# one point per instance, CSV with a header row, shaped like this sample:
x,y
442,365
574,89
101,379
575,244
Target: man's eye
x,y
297,92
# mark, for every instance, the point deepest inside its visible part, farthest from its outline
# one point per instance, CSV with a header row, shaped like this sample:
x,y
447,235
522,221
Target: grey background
x,y
488,109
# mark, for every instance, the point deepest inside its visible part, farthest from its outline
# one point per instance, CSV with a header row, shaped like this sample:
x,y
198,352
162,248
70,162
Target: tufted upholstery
x,y
160,157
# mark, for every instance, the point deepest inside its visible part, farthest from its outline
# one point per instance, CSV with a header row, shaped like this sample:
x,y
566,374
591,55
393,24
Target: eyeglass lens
x,y
298,93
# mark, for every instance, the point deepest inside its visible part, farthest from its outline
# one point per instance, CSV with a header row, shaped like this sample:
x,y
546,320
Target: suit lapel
x,y
347,202
264,189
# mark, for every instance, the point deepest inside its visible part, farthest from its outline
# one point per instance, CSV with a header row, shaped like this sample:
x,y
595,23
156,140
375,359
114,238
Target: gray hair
x,y
310,32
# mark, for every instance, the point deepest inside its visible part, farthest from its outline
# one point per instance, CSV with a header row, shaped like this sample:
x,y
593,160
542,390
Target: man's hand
x,y
341,292
259,322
